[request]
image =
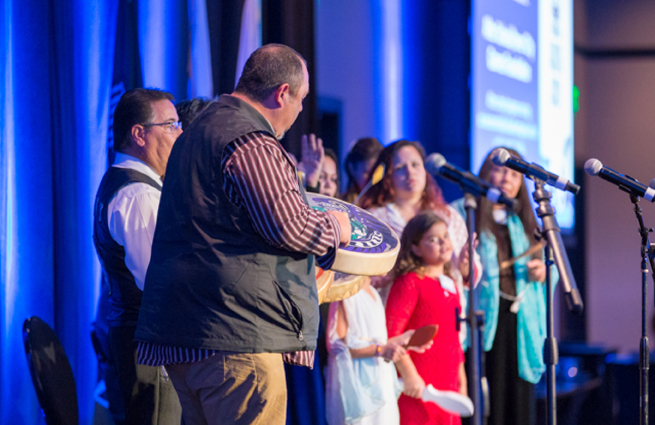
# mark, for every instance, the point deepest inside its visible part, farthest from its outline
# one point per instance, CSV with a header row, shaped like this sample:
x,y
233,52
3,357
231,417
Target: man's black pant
x,y
148,393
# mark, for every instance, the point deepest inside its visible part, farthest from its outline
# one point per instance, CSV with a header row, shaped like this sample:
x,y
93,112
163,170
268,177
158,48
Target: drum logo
x,y
369,234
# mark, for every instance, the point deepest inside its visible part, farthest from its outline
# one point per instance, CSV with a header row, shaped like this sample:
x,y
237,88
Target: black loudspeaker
x,y
585,392
623,373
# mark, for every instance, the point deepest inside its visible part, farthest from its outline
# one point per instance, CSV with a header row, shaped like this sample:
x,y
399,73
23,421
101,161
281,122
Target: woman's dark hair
x,y
188,110
364,149
331,154
407,261
484,218
268,68
135,107
381,193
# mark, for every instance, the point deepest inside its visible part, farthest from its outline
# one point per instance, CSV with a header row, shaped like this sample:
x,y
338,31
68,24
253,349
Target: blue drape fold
x,y
57,69
54,91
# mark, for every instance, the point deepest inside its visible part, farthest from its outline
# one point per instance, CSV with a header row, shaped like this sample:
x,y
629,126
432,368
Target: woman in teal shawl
x,y
512,295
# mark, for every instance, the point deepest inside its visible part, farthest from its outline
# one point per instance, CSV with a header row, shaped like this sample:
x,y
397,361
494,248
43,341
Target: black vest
x,y
124,295
213,281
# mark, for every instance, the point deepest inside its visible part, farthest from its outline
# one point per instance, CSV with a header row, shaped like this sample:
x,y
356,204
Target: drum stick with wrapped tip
x,y
377,175
531,251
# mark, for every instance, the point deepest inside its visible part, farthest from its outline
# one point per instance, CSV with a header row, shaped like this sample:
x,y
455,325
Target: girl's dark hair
x,y
364,149
382,192
407,261
484,218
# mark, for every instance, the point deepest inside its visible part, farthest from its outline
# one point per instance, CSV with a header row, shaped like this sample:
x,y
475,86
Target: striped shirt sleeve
x,y
259,177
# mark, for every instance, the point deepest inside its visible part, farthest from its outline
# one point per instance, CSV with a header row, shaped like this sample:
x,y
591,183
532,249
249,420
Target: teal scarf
x,y
531,316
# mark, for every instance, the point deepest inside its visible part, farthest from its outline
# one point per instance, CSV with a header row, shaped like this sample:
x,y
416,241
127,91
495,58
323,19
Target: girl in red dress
x,y
424,293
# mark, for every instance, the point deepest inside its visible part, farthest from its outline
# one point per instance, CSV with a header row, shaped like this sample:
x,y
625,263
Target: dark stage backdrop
x,y
291,22
436,70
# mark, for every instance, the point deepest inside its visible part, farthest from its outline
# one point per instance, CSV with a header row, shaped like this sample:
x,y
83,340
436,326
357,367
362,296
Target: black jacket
x,y
213,281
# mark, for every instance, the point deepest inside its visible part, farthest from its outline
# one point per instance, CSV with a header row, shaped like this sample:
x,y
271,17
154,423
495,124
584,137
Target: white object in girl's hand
x,y
447,283
450,401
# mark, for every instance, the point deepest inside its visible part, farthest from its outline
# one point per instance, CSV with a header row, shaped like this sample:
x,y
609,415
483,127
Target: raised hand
x,y
311,158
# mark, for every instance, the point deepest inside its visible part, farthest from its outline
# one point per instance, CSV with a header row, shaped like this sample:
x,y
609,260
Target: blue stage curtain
x,y
200,83
81,86
164,45
26,230
56,85
55,79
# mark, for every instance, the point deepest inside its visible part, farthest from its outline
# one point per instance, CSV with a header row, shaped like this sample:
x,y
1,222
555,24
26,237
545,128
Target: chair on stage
x,y
51,372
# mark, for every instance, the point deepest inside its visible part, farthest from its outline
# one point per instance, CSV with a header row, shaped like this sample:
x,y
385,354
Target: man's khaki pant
x,y
232,388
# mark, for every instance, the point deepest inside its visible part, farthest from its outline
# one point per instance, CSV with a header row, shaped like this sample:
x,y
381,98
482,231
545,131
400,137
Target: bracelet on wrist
x,y
378,350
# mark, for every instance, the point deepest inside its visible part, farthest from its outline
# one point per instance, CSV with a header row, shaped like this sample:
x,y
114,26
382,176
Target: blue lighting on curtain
x,y
387,20
163,42
200,79
82,76
54,86
56,72
26,260
251,33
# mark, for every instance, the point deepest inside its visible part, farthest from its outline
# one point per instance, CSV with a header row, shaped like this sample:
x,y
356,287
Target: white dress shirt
x,y
132,216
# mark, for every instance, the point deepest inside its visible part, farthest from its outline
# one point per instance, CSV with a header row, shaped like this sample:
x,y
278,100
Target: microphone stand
x,y
554,253
644,356
476,378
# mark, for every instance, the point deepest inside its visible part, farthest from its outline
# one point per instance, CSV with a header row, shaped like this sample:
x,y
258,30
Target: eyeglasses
x,y
169,126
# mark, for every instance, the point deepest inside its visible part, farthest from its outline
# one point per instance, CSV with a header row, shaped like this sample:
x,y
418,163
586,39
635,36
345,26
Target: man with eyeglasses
x,y
146,126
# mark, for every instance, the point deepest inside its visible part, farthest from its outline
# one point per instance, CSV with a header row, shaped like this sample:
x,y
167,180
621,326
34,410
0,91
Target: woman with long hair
x,y
512,296
407,189
329,177
359,164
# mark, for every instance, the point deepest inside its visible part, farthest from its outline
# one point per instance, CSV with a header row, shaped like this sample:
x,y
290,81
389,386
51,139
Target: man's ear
x,y
282,94
138,133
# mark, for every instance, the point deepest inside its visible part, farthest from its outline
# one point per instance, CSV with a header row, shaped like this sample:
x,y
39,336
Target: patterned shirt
x,y
259,178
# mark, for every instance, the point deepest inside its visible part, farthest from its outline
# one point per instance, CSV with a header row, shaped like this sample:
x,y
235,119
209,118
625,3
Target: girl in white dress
x,y
362,384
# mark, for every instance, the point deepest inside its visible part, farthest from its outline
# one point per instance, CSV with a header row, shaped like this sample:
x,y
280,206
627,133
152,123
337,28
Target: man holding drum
x,y
230,291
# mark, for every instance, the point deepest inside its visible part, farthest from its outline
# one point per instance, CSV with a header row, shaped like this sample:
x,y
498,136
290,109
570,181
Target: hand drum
x,y
373,247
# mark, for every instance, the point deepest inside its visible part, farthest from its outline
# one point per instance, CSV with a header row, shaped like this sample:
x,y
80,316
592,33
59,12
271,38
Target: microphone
x,y
436,164
503,158
594,167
